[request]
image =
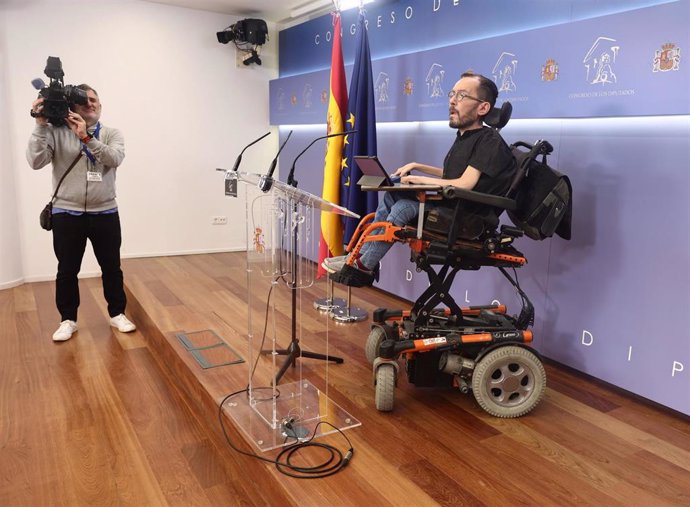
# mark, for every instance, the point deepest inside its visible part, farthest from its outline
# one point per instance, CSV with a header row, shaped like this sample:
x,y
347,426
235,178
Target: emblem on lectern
x,y
259,244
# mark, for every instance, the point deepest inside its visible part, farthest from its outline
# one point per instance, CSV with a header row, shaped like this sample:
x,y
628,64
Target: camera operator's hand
x,y
36,108
76,124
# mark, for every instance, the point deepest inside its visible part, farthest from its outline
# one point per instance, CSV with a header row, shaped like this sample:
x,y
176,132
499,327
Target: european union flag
x,y
361,117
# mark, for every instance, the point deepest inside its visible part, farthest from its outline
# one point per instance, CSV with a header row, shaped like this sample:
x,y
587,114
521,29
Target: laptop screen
x,y
371,166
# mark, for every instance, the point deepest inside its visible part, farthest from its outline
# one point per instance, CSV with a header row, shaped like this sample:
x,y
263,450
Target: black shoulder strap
x,y
74,162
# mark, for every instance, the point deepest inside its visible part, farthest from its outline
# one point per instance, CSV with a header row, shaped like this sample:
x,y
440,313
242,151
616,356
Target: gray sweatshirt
x,y
60,146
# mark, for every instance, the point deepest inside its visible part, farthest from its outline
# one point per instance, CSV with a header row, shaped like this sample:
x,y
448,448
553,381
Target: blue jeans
x,y
396,208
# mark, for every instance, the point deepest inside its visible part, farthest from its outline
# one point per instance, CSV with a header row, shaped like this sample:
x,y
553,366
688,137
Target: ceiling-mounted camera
x,y
249,31
247,35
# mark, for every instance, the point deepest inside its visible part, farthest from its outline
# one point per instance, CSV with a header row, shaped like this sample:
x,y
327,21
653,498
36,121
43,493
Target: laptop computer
x,y
373,173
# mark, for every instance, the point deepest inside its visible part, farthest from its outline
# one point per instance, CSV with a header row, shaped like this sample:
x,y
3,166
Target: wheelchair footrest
x,y
352,277
381,315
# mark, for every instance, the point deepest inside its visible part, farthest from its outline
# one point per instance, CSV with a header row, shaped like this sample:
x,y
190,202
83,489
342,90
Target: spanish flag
x,y
331,241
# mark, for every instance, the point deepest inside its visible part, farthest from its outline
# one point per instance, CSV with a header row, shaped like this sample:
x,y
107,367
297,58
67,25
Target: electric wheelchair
x,y
481,349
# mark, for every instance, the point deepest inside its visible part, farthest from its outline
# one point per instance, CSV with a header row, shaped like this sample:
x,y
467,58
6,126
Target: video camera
x,y
58,98
251,31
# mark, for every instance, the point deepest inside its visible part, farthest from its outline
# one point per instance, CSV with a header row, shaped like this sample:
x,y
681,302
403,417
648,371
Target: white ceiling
x,y
276,11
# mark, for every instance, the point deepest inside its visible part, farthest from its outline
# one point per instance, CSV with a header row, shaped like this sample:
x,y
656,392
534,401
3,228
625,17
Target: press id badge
x,y
94,176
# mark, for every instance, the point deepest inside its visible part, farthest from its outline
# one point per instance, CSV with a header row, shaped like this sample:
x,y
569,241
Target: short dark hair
x,y
86,88
488,90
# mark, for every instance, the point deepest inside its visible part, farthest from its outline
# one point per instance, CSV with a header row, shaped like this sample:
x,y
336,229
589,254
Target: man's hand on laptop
x,y
418,180
404,170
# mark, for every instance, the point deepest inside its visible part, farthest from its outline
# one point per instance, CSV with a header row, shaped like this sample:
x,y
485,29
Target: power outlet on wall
x,y
219,220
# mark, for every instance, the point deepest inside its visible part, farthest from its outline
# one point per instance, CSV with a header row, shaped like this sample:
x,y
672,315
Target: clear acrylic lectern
x,y
281,247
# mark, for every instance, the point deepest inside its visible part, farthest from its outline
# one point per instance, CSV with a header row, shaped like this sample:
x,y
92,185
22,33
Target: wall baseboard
x,y
51,277
181,252
90,274
12,283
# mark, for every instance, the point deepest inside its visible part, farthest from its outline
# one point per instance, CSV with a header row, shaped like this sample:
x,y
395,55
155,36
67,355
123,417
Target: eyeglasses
x,y
459,96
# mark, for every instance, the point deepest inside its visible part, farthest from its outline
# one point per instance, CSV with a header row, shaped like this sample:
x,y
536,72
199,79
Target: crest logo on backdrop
x,y
600,61
503,72
668,58
549,71
306,96
434,81
381,86
408,86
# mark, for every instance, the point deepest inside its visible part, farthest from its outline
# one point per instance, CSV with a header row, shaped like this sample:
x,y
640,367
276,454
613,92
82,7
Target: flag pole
x,y
360,117
331,240
329,303
347,313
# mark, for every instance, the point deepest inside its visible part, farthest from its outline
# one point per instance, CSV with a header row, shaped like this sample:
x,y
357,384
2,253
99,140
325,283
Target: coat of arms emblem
x,y
668,58
549,71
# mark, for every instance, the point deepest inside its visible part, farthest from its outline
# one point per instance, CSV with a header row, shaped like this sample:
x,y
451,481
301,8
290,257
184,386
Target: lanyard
x,y
86,150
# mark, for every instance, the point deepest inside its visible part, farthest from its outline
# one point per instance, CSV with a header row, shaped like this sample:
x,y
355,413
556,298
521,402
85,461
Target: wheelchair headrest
x,y
498,117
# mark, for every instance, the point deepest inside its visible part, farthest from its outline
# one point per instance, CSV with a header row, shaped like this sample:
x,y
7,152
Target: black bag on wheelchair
x,y
543,198
459,223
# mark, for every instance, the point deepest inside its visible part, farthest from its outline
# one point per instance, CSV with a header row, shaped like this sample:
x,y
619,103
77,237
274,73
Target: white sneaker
x,y
65,331
334,264
122,323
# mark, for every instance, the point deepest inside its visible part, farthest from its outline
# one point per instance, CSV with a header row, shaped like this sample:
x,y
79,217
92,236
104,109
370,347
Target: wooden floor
x,y
130,419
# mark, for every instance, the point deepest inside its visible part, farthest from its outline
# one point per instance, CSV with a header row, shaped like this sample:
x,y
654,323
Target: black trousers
x,y
69,243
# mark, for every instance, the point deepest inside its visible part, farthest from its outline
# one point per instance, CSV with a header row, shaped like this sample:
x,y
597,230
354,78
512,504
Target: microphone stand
x,y
266,181
239,157
231,181
293,351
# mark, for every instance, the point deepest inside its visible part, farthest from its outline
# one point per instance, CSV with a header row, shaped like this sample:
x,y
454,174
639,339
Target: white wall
x,y
10,259
182,103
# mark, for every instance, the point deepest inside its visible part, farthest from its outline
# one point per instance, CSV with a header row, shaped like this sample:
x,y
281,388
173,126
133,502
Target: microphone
x,y
38,83
291,175
239,157
266,182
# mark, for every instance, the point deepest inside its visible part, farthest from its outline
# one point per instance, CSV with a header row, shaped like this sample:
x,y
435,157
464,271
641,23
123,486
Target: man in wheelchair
x,y
481,349
478,160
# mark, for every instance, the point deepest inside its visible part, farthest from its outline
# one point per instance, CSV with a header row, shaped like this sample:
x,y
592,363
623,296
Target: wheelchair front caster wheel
x,y
385,387
371,348
509,381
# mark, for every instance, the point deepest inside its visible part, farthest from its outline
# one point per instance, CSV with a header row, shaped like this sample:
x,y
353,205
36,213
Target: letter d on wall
x,y
587,338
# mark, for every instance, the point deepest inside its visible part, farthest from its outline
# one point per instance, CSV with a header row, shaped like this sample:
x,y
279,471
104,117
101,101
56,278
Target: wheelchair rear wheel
x,y
385,387
509,381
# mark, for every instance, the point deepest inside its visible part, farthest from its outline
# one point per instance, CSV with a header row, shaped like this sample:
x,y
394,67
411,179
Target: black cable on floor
x,y
334,463
283,462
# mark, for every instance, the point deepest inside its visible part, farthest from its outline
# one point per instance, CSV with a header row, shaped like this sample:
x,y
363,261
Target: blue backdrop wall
x,y
613,301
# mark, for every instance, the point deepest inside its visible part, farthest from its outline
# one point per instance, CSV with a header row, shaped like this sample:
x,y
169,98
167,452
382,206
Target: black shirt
x,y
485,150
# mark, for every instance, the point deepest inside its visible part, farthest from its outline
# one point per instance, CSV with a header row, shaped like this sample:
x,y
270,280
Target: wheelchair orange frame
x,y
481,349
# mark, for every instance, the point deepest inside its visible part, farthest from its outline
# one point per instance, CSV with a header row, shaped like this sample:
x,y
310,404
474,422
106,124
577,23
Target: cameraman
x,y
85,206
